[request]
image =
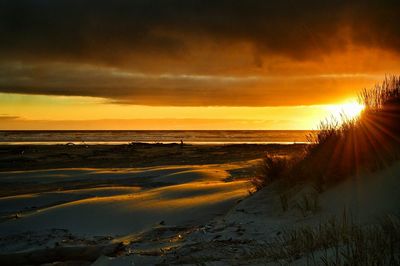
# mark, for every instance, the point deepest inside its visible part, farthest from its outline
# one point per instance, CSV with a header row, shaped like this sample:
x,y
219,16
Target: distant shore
x,y
118,137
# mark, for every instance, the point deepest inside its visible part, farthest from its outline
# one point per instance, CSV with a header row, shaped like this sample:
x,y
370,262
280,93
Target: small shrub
x,y
273,168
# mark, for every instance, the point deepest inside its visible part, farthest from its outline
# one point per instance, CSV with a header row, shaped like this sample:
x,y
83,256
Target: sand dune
x,y
255,222
175,196
168,214
130,213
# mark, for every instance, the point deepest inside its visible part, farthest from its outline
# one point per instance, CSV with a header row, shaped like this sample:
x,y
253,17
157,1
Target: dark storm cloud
x,y
121,87
174,89
149,37
107,29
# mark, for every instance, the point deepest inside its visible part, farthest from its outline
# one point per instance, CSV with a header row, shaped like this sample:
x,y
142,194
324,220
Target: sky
x,y
189,64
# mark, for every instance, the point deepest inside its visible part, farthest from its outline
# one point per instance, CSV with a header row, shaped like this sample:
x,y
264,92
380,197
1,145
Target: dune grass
x,y
337,242
350,146
346,147
273,168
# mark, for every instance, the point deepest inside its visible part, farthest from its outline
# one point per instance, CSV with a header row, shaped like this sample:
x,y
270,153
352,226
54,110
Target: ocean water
x,y
154,136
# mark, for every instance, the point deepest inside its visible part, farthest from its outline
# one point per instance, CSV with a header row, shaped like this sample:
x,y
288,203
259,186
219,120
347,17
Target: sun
x,y
349,109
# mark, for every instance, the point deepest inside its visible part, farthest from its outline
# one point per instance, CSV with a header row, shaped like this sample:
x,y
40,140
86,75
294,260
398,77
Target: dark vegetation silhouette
x,y
346,147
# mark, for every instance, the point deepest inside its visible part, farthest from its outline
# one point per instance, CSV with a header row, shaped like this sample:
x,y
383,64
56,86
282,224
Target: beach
x,y
173,204
58,198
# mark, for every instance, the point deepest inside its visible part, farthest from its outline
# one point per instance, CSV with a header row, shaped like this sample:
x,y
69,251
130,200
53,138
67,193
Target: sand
x,y
259,219
200,211
51,210
31,157
178,196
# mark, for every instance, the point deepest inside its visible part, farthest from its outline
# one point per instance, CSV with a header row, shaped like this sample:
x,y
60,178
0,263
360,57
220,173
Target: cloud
x,y
188,52
5,117
107,30
178,89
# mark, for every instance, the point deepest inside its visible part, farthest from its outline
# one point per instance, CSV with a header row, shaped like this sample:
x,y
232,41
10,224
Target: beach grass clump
x,y
344,146
337,242
273,168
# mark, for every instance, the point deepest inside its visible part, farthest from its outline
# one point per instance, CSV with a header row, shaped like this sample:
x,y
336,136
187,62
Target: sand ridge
x,y
174,196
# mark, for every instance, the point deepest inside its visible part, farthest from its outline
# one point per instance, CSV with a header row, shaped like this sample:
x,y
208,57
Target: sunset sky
x,y
169,64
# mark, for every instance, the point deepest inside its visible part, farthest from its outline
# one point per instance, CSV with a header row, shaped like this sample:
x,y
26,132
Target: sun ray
x,y
347,110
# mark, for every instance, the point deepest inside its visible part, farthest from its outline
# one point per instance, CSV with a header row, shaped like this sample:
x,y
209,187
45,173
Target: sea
x,y
204,137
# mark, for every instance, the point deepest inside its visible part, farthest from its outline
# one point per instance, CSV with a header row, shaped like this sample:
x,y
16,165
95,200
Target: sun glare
x,y
349,110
